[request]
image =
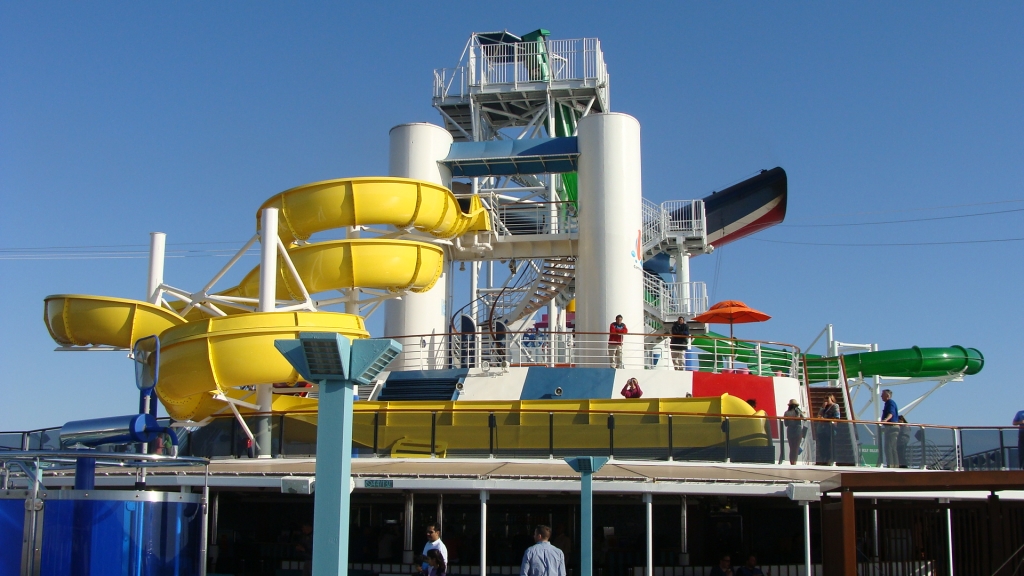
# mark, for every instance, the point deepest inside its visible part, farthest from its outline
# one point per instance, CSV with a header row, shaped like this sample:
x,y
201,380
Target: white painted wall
x,y
414,153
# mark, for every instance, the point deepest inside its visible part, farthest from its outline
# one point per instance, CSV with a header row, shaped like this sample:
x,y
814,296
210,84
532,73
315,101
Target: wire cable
x,y
863,244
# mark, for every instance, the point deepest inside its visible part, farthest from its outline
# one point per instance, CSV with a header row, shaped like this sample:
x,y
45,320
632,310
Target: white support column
x,y
268,261
267,303
609,277
683,275
483,532
440,509
408,554
415,151
474,292
352,304
807,538
684,546
949,538
157,244
649,506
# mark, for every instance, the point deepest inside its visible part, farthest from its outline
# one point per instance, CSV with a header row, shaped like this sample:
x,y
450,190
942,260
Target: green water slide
x,y
718,349
915,362
565,116
565,125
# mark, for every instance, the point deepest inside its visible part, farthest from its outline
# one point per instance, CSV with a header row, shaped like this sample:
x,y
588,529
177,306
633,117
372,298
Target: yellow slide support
x,y
203,356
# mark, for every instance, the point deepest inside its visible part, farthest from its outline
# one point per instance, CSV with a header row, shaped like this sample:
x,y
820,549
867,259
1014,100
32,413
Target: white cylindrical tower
x,y
414,153
609,270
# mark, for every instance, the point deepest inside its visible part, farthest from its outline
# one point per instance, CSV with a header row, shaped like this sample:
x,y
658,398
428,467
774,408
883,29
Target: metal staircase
x,y
540,282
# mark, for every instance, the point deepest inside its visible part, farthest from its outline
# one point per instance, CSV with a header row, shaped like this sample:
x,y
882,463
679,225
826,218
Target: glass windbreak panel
x,y
10,441
1013,440
869,444
700,438
981,449
462,435
938,446
117,537
12,523
750,440
404,434
579,434
213,440
640,436
521,434
297,435
831,442
44,439
363,425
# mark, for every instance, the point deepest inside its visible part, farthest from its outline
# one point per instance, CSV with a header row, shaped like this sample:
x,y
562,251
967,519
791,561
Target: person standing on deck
x,y
615,331
794,429
890,432
1018,421
827,431
542,559
679,343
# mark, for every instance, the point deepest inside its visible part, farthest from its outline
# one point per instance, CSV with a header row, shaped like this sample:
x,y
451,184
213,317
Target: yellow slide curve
x,y
202,356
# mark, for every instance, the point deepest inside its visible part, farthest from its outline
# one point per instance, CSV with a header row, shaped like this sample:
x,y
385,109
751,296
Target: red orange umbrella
x,y
731,312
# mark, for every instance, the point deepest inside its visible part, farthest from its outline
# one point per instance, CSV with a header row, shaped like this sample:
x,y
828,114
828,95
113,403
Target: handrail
x,y
29,454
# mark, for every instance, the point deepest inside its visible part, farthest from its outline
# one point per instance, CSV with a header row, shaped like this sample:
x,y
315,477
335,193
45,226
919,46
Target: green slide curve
x,y
914,362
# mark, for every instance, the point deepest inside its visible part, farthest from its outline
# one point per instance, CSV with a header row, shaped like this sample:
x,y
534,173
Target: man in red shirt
x,y
615,332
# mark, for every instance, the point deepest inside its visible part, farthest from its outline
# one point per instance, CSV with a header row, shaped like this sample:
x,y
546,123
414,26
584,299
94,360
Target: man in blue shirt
x,y
1018,421
542,559
890,432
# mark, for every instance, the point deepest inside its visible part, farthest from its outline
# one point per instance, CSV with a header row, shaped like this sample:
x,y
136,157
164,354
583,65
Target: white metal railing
x,y
593,350
519,218
674,218
654,223
449,81
575,60
674,299
685,217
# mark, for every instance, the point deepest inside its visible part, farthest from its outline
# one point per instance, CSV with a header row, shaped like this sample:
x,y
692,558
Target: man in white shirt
x,y
434,543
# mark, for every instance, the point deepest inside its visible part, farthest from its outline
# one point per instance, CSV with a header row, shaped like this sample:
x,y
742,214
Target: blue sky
x,y
117,119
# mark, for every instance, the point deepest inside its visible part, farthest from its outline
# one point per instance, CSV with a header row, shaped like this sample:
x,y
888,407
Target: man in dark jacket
x,y
679,343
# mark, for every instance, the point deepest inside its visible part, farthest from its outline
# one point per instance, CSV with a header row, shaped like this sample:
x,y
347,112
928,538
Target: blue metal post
x,y
333,472
85,474
586,524
329,358
586,466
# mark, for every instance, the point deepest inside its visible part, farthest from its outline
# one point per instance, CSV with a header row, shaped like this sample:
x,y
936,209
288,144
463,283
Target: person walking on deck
x,y
615,331
542,559
433,543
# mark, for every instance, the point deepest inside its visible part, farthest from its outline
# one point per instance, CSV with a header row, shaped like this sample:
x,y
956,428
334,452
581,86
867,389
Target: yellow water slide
x,y
202,357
